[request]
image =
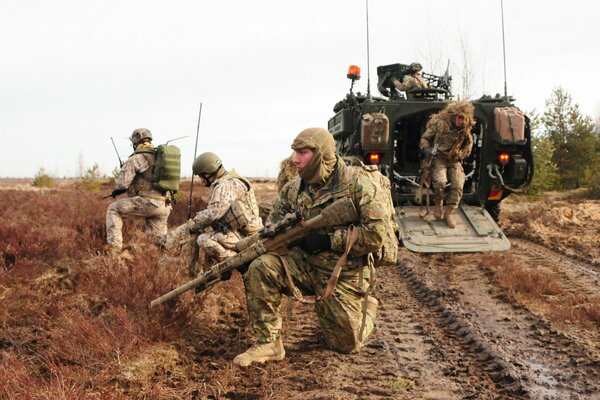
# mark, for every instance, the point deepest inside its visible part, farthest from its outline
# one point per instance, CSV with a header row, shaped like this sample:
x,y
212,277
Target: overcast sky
x,y
75,73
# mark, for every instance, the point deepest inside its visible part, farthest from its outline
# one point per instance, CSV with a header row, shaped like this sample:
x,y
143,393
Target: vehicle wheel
x,y
494,211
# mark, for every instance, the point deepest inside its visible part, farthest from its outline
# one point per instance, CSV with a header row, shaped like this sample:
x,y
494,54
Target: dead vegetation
x,y
75,323
541,290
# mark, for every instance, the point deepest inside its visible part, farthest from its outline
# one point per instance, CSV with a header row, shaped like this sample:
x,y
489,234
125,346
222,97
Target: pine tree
x,y
575,141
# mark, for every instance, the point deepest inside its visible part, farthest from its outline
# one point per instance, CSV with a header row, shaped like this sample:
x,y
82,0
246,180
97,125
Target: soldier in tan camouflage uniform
x,y
448,141
142,199
232,212
348,317
412,80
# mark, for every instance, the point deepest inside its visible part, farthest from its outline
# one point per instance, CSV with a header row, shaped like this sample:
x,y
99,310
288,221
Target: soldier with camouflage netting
x,y
447,141
346,312
231,214
412,80
135,179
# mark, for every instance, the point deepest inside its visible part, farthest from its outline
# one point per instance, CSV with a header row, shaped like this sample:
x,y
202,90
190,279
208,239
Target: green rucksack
x,y
388,254
167,168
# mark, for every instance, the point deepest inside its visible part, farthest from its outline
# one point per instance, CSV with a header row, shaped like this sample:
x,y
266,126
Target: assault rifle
x,y
275,238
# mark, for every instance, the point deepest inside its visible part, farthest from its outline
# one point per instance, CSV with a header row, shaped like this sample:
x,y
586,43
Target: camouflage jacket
x,y
223,191
369,202
410,82
136,176
452,144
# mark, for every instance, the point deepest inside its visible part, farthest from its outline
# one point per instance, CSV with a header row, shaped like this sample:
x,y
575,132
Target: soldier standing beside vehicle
x,y
143,200
347,317
448,141
412,80
231,214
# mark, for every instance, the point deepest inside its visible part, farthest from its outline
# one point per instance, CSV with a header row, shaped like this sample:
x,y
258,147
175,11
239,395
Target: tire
x,y
494,211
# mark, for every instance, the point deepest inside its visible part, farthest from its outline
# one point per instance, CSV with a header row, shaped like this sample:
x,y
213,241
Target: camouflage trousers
x,y
340,316
154,211
443,171
219,246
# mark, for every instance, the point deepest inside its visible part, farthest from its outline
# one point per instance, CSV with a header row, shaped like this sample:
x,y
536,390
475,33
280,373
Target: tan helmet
x,y
206,163
140,135
414,67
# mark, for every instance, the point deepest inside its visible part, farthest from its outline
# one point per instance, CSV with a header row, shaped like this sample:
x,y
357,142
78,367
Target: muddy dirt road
x,y
457,326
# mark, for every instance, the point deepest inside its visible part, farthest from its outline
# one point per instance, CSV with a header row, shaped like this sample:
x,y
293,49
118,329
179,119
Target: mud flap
x,y
475,231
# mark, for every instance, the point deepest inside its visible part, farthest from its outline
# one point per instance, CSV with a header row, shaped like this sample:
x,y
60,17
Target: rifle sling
x,y
290,282
351,237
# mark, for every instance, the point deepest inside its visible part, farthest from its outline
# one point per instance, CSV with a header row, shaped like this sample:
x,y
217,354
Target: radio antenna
x,y
503,49
368,56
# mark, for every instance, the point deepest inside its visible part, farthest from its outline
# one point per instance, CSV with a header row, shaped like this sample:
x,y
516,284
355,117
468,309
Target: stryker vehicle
x,y
386,131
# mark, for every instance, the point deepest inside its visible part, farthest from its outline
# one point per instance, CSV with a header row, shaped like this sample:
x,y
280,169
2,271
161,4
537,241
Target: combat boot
x,y
438,209
261,352
450,220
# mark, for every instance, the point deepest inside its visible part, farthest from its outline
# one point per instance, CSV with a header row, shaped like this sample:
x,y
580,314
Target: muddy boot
x,y
261,352
449,217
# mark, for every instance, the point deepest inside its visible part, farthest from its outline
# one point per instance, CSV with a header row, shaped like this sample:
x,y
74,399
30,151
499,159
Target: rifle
x,y
275,238
118,156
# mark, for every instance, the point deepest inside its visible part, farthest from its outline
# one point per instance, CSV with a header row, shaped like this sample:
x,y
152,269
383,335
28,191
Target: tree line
x,y
566,147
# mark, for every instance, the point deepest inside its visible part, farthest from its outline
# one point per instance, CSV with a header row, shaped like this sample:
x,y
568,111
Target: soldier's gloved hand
x,y
117,192
314,243
226,276
426,153
193,227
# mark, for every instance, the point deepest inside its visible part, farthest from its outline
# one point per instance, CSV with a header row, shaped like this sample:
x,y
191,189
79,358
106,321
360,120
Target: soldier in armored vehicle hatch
x,y
413,80
448,140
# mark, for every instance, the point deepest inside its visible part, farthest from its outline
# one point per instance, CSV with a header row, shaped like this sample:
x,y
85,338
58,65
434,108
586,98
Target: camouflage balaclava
x,y
321,165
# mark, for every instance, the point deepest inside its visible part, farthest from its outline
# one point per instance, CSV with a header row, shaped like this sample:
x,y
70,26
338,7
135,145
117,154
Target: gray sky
x,y
75,73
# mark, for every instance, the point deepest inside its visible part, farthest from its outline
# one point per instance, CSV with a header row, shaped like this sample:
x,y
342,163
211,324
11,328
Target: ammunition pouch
x,y
240,217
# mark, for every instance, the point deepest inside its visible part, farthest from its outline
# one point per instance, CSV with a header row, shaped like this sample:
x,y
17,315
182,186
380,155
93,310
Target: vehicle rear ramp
x,y
475,231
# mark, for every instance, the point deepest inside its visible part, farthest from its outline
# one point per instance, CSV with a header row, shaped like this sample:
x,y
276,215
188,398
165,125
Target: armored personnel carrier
x,y
386,130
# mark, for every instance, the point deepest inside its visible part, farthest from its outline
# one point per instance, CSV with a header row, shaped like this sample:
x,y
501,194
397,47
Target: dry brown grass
x,y
542,291
75,324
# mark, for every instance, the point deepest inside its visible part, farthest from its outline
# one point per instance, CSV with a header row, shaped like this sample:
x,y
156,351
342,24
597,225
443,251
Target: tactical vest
x,y
142,183
243,214
388,254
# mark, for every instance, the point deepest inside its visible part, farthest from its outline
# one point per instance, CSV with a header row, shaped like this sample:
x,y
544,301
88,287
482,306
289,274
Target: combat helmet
x,y
206,163
140,135
414,67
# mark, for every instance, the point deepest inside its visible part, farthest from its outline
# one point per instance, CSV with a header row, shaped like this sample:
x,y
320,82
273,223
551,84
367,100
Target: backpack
x,y
388,254
167,168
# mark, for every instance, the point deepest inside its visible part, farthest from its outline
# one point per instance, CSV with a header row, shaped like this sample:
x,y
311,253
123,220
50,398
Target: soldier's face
x,y
301,157
459,121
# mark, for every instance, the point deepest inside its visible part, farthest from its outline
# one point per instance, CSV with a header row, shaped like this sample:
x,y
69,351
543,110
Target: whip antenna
x,y
195,151
503,49
368,55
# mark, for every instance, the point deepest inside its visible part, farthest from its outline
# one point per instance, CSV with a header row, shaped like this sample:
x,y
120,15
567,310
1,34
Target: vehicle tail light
x,y
374,158
504,158
495,194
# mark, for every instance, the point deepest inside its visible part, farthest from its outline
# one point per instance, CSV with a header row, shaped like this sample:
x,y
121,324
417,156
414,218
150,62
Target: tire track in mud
x,y
409,356
528,355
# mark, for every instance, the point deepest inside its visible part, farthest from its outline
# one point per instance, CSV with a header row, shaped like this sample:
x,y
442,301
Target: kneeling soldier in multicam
x,y
346,314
